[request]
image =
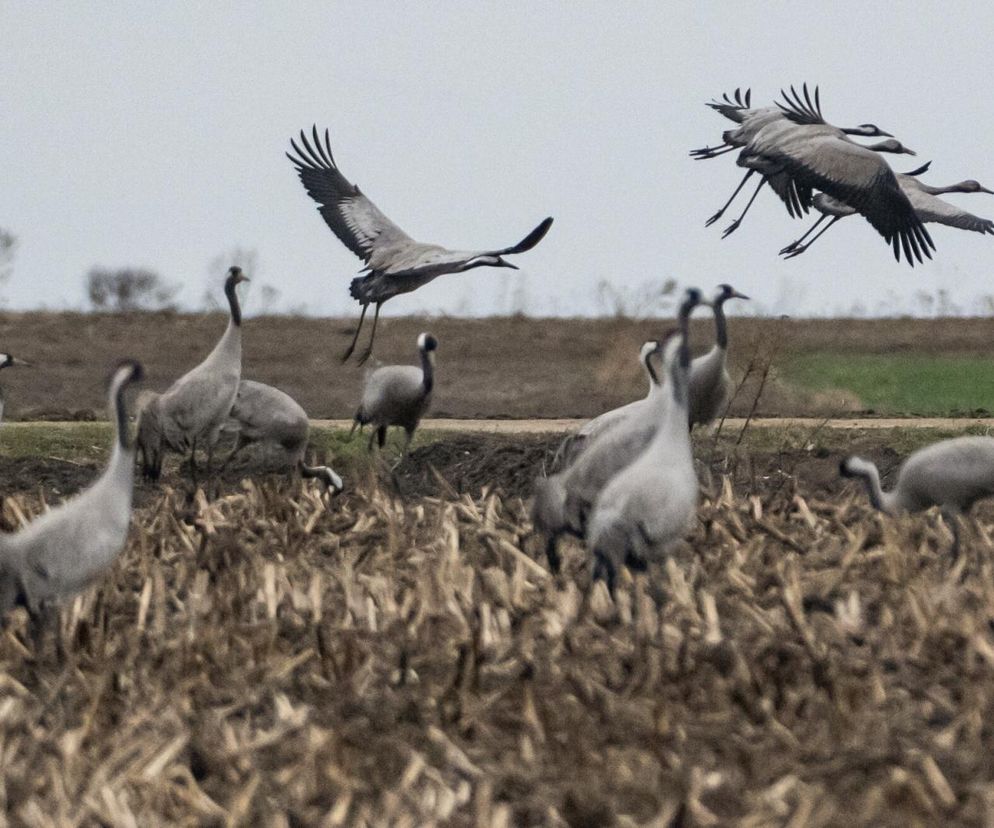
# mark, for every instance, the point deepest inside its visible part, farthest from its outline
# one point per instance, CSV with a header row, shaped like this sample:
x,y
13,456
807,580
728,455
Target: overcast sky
x,y
152,134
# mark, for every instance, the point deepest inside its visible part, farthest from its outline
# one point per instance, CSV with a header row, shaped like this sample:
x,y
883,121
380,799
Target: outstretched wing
x,y
528,242
934,209
807,112
862,179
733,108
358,223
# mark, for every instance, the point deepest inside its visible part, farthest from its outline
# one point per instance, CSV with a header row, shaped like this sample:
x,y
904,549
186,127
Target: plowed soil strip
x,y
565,425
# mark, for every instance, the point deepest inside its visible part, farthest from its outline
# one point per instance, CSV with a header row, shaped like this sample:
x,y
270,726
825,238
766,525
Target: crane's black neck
x,y
121,413
236,310
720,325
427,370
650,370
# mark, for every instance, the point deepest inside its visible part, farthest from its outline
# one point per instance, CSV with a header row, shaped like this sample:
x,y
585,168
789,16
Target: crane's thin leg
x,y
728,203
793,245
735,224
234,453
372,336
381,436
952,517
372,436
552,553
210,463
351,348
604,568
797,251
711,152
193,464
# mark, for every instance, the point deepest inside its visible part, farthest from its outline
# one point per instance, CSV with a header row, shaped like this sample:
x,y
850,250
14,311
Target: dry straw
x,y
265,660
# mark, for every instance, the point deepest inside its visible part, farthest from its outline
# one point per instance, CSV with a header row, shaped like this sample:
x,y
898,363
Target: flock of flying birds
x,y
796,152
626,481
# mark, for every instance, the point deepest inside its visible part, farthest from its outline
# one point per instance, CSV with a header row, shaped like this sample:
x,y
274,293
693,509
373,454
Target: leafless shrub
x,y
129,289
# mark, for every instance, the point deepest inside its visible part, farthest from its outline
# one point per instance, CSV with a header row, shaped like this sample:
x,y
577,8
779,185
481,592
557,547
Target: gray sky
x,y
155,137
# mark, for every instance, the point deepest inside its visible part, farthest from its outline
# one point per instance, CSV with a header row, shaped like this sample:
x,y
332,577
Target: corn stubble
x,y
266,659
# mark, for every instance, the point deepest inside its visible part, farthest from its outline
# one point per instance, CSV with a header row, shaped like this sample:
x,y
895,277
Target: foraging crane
x,y
647,506
710,384
563,501
924,199
395,263
952,474
6,361
592,429
398,395
819,156
68,547
781,120
263,414
193,409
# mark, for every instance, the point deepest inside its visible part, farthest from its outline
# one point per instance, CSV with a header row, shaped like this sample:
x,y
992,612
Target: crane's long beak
x,y
985,190
21,362
504,263
737,295
908,151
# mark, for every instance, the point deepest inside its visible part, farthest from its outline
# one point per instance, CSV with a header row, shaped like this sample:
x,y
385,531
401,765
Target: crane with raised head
x,y
70,546
192,410
647,506
710,383
398,395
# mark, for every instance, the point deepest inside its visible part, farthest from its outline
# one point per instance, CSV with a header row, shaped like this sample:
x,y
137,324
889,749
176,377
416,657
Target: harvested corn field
x,y
273,658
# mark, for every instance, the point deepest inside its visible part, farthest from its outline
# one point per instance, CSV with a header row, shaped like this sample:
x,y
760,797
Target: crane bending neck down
x,y
866,471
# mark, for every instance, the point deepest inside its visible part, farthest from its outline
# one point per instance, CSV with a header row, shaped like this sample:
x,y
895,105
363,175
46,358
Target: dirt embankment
x,y
502,367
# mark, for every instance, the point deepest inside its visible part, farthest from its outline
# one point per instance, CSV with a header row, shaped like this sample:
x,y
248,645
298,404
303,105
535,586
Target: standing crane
x,y
924,199
193,409
563,501
68,547
395,263
647,506
710,383
398,395
601,424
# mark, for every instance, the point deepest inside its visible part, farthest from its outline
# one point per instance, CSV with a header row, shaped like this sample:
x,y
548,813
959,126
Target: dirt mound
x,y
469,462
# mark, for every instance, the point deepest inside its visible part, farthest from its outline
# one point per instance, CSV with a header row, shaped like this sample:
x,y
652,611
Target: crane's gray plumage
x,y
924,199
563,501
395,263
819,156
573,445
710,383
784,120
68,547
952,474
263,414
192,410
398,395
648,505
